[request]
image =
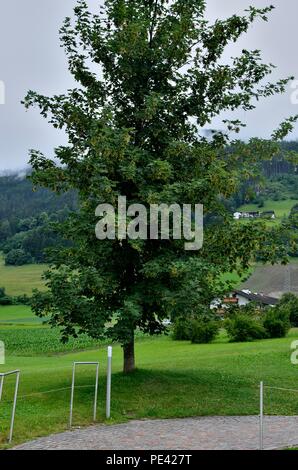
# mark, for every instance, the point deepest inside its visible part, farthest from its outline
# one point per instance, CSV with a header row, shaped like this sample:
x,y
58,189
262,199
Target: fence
x,y
264,420
2,377
75,364
289,422
71,388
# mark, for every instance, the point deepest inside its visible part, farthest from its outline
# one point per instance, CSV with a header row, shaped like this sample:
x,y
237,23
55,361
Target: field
x,y
19,280
281,208
18,315
174,379
273,280
25,334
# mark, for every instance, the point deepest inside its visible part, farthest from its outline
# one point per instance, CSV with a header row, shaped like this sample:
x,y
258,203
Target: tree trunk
x,y
129,357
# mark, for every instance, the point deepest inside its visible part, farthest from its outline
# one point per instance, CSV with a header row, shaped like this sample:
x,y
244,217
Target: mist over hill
x,y
26,216
18,198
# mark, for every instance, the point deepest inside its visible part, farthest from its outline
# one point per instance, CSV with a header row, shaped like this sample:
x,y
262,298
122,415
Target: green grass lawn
x,y
24,334
174,379
18,315
19,280
281,208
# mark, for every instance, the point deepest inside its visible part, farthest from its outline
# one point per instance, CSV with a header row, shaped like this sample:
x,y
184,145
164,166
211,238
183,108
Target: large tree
x,y
151,76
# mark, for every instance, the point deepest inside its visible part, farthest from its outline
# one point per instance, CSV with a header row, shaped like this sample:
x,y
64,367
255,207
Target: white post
x,y
14,406
73,388
96,393
72,393
109,381
261,415
1,386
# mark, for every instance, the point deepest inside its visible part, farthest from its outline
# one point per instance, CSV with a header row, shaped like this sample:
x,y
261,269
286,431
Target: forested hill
x,y
279,165
18,200
26,215
25,219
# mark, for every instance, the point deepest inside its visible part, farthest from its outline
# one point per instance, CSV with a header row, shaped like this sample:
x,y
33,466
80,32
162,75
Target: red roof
x,y
231,300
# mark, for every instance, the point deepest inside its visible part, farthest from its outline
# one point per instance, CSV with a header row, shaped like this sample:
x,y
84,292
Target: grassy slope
x,y
281,208
18,315
174,379
19,280
274,280
25,334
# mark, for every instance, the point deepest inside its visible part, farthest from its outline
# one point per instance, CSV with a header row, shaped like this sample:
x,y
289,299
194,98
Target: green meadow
x,y
281,208
19,280
174,379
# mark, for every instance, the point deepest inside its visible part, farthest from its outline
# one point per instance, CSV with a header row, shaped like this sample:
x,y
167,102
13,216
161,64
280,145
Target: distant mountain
x,y
25,218
19,200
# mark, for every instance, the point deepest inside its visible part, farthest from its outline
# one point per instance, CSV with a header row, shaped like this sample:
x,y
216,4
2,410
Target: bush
x,y
249,310
4,298
17,257
290,301
22,300
181,330
203,332
277,322
243,328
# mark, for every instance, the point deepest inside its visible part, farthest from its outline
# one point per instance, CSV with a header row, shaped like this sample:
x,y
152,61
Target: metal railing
x,y
71,388
2,377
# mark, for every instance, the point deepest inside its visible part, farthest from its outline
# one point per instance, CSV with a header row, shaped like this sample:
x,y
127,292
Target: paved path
x,y
177,434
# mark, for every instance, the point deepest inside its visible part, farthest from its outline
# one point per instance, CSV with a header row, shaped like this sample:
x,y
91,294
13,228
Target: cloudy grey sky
x,y
30,58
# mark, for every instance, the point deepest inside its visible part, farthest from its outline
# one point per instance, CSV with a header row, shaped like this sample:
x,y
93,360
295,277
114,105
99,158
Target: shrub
x,y
277,322
291,302
22,300
181,330
17,257
4,298
243,328
203,332
250,310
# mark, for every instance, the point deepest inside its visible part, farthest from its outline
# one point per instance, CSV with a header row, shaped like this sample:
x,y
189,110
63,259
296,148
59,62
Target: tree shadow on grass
x,y
168,393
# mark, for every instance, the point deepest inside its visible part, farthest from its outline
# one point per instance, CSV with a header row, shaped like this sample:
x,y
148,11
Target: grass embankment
x,y
281,208
19,280
174,379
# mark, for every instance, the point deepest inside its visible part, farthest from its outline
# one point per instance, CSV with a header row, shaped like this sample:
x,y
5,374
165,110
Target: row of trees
x,y
20,200
33,237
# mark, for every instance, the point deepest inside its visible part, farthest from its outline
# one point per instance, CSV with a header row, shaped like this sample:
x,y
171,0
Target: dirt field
x,y
273,280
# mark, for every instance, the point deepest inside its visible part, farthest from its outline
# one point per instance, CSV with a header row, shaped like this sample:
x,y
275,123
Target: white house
x,y
243,297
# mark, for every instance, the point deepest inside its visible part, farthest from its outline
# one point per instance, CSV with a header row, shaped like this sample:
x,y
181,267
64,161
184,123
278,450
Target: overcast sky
x,y
30,58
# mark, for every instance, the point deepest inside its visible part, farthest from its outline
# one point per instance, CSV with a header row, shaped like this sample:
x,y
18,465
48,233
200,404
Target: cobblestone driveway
x,y
176,434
